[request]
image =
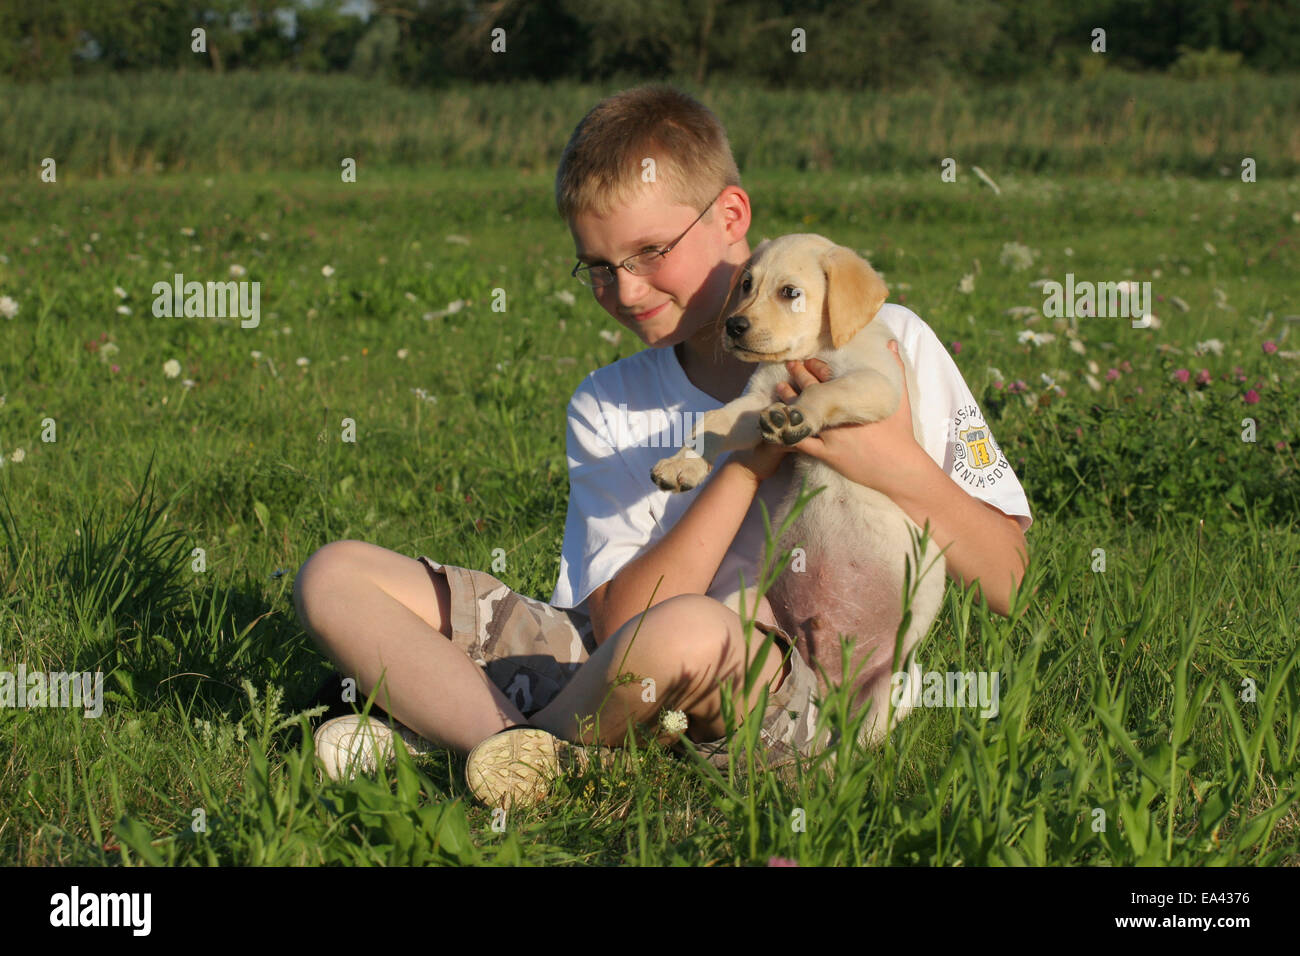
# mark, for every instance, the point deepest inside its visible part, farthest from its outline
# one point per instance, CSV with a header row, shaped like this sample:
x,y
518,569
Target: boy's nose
x,y
631,293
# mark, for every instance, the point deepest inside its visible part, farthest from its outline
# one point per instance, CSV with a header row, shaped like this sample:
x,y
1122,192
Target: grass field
x,y
1124,692
1113,124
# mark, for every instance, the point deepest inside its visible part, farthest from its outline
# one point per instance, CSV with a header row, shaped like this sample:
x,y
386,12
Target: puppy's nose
x,y
737,326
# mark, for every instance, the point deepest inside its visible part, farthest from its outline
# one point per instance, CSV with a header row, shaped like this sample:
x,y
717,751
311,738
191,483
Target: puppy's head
x,y
797,295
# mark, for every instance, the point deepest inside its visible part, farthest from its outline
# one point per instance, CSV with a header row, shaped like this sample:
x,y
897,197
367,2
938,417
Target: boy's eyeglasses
x,y
641,264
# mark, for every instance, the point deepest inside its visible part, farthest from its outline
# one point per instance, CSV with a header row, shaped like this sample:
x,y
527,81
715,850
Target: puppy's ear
x,y
854,293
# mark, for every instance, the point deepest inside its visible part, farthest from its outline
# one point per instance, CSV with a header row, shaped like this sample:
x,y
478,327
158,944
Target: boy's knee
x,y
691,631
324,569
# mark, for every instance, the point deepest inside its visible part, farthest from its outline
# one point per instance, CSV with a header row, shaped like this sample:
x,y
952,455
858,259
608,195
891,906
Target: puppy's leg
x,y
855,398
734,425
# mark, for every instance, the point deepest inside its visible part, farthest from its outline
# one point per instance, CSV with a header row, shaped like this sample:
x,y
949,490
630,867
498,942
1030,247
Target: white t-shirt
x,y
615,510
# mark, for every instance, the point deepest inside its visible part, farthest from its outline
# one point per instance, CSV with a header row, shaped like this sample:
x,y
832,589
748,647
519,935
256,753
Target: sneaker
x,y
516,766
355,744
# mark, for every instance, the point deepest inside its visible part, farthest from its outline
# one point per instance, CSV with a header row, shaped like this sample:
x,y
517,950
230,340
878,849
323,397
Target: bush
x,y
1202,64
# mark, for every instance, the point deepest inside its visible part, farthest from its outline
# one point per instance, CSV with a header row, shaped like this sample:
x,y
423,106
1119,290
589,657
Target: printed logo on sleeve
x,y
977,459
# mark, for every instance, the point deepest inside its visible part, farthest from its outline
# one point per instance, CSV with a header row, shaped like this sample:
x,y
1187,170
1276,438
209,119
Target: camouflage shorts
x,y
530,650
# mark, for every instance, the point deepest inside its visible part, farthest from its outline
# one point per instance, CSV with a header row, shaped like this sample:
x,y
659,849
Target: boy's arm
x,y
986,548
984,545
687,557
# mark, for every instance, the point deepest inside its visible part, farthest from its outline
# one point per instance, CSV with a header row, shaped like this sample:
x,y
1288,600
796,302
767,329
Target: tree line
x,y
853,44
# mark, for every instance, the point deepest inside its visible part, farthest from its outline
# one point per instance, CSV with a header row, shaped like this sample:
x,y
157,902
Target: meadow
x,y
1149,711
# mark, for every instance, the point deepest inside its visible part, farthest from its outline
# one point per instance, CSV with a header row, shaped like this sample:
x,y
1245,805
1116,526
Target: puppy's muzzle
x,y
736,327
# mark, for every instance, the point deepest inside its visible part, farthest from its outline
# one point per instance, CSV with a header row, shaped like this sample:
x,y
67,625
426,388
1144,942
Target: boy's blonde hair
x,y
601,167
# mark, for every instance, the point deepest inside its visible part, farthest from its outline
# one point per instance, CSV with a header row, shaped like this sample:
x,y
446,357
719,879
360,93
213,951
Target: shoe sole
x,y
514,767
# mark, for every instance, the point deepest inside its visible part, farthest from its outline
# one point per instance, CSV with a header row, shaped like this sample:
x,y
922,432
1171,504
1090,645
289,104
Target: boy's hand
x,y
878,454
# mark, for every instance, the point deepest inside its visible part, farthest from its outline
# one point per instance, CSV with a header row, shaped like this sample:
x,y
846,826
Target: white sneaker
x,y
355,744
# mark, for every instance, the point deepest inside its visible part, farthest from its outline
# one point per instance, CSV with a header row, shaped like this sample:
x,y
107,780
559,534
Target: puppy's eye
x,y
792,292
746,283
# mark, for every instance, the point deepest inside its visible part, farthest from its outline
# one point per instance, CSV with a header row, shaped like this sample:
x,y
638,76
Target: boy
x,y
472,666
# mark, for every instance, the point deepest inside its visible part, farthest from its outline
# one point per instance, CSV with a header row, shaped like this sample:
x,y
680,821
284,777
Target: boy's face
x,y
692,281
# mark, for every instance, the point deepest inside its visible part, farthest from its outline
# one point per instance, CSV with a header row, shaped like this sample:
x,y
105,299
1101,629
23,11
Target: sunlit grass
x,y
1122,690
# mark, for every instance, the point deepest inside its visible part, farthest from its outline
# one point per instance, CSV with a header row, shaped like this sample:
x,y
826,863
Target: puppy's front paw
x,y
784,424
679,473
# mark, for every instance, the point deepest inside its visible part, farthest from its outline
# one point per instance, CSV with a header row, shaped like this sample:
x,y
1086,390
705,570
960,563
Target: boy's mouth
x,y
642,316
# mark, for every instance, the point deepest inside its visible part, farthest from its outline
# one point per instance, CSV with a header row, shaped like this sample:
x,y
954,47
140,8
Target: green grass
x,y
1120,688
1113,124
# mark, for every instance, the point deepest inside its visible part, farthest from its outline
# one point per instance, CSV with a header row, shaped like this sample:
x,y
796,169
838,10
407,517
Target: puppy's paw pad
x,y
783,423
679,474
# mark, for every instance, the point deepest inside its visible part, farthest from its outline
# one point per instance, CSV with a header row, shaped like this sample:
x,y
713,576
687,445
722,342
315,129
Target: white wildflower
x,y
186,231
171,368
565,296
17,455
1077,346
303,361
8,307
256,354
1209,345
672,721
1017,256
967,284
1092,383
187,382
611,337
121,293
452,309
124,310
237,270
403,353
457,240
327,271
1036,338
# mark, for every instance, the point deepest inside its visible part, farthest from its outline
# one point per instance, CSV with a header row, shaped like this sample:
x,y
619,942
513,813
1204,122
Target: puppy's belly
x,y
854,539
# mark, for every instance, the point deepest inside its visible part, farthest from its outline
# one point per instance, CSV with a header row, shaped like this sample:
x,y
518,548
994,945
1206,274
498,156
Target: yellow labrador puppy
x,y
799,297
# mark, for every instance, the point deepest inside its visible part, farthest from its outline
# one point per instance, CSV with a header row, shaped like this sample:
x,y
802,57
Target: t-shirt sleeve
x,y
955,434
609,520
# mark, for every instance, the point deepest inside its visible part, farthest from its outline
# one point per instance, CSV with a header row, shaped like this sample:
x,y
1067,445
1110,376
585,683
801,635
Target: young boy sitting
x,y
469,664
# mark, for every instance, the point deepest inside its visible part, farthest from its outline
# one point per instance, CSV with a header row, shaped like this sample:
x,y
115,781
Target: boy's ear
x,y
854,293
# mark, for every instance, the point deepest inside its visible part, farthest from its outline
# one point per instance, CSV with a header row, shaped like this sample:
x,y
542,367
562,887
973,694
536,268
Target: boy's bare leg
x,y
687,645
375,611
